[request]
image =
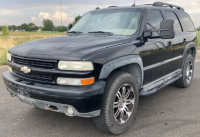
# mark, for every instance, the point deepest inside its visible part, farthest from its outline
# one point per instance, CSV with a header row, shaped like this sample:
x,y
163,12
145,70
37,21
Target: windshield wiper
x,y
108,33
77,32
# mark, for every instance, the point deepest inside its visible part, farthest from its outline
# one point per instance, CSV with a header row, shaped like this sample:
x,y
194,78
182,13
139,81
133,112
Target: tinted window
x,y
177,26
187,21
153,20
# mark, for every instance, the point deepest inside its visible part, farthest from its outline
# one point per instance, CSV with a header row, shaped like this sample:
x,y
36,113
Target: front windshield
x,y
119,22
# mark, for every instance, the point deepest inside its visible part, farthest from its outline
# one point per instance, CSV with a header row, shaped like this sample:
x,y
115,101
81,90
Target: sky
x,y
16,12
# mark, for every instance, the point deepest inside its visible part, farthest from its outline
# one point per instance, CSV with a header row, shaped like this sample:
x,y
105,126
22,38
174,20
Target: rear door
x,y
157,53
189,28
179,41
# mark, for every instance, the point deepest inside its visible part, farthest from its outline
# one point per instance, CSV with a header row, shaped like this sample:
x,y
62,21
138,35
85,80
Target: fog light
x,y
70,111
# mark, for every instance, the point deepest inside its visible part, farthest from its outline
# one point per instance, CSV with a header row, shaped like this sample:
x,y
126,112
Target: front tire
x,y
187,73
120,103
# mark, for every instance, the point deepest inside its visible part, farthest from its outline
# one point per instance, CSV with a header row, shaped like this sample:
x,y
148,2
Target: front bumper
x,y
85,101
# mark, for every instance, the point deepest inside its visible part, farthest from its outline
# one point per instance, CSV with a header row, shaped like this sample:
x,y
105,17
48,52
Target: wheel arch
x,y
131,64
190,48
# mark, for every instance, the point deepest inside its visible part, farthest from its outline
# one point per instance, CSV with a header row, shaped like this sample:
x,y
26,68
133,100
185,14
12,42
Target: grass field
x,y
17,38
198,37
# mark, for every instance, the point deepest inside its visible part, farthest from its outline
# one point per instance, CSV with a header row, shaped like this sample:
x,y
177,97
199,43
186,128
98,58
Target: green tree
x,y
60,29
55,29
4,30
9,27
24,26
76,20
40,27
31,26
48,25
19,27
198,29
13,27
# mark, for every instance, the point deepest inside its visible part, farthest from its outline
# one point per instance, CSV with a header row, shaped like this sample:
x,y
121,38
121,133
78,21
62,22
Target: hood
x,y
66,47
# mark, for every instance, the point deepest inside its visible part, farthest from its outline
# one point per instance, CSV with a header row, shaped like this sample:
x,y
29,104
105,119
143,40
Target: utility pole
x,y
61,12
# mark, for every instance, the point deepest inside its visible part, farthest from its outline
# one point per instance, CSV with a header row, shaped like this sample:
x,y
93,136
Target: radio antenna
x,y
134,3
61,12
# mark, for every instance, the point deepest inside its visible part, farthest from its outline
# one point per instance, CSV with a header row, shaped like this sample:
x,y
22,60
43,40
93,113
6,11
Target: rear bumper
x,y
85,101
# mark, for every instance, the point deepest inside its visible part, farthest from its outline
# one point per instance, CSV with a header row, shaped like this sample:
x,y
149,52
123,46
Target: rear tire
x,y
187,73
120,103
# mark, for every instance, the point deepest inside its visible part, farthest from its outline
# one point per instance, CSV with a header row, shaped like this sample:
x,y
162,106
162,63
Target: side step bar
x,y
160,83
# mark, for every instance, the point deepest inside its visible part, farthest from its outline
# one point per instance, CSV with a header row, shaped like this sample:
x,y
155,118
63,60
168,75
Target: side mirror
x,y
69,27
167,29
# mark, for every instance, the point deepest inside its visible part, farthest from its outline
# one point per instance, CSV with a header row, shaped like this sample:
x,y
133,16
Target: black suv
x,y
106,60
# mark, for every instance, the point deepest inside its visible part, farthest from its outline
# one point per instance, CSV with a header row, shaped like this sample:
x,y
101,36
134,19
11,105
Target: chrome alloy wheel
x,y
123,103
189,71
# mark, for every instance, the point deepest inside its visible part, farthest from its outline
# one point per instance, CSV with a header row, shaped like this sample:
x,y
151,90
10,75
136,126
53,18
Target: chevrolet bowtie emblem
x,y
25,69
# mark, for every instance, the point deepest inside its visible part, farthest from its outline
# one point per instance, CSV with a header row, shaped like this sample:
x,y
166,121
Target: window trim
x,y
184,23
148,12
157,10
181,25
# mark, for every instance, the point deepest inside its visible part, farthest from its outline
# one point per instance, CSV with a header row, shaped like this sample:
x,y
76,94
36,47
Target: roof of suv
x,y
150,6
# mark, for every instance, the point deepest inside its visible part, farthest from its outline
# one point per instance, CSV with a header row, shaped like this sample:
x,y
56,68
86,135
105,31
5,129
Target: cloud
x,y
57,16
4,21
44,15
8,12
12,10
33,19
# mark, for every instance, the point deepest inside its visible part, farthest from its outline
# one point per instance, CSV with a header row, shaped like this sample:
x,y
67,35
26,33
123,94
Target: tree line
x,y
198,29
47,26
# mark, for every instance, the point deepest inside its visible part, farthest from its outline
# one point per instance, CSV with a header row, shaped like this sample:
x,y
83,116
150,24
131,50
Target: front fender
x,y
119,62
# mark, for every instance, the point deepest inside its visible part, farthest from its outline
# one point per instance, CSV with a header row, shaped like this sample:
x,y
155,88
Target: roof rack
x,y
112,6
162,4
97,8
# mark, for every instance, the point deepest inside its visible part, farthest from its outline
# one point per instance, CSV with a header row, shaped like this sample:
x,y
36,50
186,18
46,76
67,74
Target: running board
x,y
160,83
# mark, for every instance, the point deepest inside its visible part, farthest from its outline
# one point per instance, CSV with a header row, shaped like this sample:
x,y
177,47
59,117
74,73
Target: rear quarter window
x,y
187,21
173,16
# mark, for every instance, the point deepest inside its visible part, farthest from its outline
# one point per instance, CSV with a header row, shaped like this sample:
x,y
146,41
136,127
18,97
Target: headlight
x,y
9,57
74,81
75,65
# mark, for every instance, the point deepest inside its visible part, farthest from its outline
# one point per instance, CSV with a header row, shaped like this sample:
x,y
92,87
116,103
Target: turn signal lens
x,y
74,82
87,81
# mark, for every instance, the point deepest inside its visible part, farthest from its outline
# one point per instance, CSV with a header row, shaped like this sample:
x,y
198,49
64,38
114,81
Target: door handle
x,y
169,43
184,40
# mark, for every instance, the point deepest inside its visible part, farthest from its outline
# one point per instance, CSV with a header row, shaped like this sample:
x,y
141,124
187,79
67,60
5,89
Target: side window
x,y
187,21
153,21
177,26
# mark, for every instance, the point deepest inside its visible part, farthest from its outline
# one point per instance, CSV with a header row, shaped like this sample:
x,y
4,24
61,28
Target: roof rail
x,y
162,4
112,6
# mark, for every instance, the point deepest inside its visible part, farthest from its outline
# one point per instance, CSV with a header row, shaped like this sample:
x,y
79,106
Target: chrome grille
x,y
34,63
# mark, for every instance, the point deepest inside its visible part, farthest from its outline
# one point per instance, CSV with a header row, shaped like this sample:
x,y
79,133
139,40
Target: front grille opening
x,y
36,77
34,63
